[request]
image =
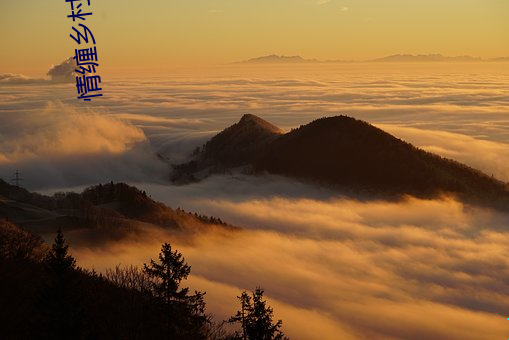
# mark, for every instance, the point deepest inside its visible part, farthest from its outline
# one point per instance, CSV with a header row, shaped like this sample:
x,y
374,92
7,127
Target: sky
x,y
133,36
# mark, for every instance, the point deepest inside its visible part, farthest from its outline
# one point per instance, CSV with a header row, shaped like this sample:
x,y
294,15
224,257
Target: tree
x,y
185,316
61,299
255,318
168,274
16,243
58,260
129,277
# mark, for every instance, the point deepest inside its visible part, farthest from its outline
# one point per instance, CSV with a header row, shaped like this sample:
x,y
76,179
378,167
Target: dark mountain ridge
x,y
352,156
49,297
117,208
234,147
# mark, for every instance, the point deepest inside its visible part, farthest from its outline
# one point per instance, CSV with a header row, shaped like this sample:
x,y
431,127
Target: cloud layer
x,y
420,269
62,146
419,103
340,268
485,155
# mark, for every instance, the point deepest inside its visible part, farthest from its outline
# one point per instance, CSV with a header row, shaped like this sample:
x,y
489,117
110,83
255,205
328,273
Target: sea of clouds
x,y
457,111
331,266
337,268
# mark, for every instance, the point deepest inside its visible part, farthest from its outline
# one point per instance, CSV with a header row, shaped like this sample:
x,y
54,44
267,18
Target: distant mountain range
x,y
276,59
344,153
426,58
397,58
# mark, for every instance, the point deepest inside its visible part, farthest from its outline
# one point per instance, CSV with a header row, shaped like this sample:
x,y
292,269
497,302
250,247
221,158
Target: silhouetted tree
x,y
61,298
49,297
255,318
185,314
129,277
58,260
17,243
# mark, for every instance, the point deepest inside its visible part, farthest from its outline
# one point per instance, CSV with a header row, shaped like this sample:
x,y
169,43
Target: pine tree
x,y
169,273
241,316
255,317
184,313
61,298
58,260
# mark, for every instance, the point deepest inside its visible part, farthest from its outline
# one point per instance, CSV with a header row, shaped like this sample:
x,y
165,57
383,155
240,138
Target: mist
x,y
425,269
62,146
331,265
458,111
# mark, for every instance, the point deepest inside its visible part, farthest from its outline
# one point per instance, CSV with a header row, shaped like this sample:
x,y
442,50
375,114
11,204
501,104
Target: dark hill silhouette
x,y
359,158
235,146
116,208
20,194
36,298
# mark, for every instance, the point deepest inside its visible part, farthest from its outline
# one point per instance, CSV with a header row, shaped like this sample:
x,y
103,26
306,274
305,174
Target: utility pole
x,y
17,178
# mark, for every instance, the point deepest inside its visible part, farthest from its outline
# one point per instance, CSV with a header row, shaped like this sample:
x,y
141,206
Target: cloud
x,y
65,71
62,130
16,78
62,72
488,156
420,269
345,9
178,113
71,147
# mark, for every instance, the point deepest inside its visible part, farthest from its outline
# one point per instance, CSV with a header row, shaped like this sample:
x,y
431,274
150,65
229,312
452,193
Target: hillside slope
x,y
116,208
355,157
237,145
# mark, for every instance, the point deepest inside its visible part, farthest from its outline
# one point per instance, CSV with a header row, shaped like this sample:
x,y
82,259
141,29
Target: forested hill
x,y
113,207
350,155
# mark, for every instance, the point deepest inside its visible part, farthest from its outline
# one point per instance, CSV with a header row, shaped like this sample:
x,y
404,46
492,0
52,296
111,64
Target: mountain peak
x,y
249,117
238,145
255,122
346,153
242,142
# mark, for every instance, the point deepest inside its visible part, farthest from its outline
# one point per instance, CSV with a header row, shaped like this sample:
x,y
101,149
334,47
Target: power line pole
x,y
17,178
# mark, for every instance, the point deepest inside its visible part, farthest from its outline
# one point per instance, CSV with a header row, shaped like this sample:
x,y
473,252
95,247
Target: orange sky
x,y
132,36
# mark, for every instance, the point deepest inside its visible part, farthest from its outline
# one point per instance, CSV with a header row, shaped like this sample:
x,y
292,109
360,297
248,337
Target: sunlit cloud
x,y
344,264
488,156
434,269
61,130
178,113
62,72
63,145
15,78
65,71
